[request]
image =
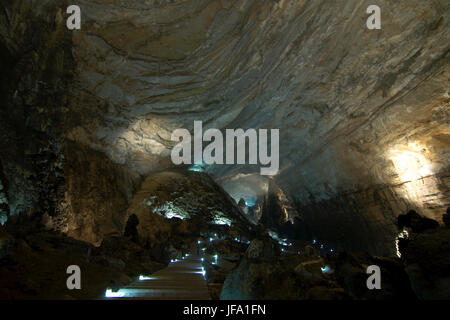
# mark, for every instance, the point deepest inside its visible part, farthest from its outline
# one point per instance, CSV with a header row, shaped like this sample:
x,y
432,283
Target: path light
x,y
331,250
314,241
325,269
203,272
110,294
402,235
215,259
321,246
143,278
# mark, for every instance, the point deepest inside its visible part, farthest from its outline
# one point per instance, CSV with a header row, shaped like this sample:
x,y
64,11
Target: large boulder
x,y
254,273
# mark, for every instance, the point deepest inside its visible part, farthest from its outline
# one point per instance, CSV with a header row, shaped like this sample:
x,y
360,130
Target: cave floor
x,y
181,280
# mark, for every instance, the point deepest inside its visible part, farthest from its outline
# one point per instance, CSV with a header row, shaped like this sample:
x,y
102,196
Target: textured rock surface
x,y
98,193
263,273
340,94
179,206
357,109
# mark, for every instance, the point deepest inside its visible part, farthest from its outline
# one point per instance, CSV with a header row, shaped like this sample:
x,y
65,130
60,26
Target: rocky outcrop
x,y
249,278
97,195
427,262
34,87
363,114
415,222
260,64
263,273
366,220
173,206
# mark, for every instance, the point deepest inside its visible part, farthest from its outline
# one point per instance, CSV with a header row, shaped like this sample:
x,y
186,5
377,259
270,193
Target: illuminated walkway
x,y
181,280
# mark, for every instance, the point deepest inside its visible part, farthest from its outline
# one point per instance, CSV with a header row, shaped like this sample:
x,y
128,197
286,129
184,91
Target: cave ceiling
x,y
342,96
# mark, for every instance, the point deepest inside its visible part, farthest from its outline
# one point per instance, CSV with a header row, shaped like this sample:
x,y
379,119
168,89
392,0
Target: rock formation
x,y
86,119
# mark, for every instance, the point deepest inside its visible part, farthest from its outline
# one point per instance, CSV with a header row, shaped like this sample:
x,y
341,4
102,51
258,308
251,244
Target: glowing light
x,y
331,250
198,242
321,246
197,168
277,238
170,210
410,162
215,259
202,259
144,278
110,294
314,241
414,168
203,272
325,269
402,235
221,220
